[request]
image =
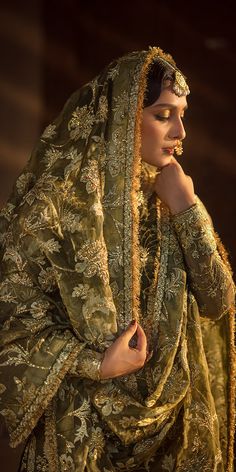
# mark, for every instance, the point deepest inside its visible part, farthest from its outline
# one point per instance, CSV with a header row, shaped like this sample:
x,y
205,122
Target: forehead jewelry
x,y
180,86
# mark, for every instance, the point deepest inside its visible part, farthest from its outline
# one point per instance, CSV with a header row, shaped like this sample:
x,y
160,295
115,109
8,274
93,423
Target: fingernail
x,y
133,322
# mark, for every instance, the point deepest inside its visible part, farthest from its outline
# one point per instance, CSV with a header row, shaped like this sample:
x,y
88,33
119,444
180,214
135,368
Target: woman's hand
x,y
174,187
120,358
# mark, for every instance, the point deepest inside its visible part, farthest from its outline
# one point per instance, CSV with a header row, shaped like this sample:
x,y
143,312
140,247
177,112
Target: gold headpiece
x,y
180,86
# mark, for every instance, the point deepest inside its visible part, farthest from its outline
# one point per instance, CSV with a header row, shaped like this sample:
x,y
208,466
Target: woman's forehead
x,y
168,97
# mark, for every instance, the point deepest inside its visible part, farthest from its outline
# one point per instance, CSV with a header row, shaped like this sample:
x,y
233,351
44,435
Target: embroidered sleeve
x,y
209,276
87,364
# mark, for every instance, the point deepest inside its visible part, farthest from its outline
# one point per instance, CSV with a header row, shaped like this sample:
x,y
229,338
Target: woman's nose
x,y
177,131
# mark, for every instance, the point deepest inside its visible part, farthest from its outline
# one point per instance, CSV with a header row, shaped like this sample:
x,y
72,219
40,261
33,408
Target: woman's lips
x,y
169,151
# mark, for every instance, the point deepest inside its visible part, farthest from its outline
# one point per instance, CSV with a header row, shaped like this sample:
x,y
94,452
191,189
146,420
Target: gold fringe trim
x,y
136,171
50,443
231,387
232,369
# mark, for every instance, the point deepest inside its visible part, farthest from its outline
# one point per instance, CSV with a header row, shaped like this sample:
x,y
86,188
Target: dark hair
x,y
159,72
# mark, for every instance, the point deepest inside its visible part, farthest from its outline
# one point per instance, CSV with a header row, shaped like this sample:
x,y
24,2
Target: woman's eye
x,y
162,118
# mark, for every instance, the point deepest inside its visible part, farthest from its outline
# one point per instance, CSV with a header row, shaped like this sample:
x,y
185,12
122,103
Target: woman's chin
x,y
159,161
163,162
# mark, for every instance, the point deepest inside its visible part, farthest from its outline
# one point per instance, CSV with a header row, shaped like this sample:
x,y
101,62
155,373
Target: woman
x,y
117,328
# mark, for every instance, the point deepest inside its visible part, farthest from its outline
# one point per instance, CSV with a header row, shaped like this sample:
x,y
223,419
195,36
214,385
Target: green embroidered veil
x,y
71,283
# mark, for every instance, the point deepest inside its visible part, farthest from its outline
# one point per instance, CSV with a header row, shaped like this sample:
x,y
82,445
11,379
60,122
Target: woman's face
x,y
162,127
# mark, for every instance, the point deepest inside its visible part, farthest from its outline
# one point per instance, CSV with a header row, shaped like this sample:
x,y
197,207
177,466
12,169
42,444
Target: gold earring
x,y
179,148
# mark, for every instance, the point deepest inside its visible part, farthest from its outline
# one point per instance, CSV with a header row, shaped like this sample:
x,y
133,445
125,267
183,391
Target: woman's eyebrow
x,y
168,105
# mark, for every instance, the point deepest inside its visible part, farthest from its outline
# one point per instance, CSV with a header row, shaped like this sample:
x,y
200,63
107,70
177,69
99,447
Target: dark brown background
x,y
50,48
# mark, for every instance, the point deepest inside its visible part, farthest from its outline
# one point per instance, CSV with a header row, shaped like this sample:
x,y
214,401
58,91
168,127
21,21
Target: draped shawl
x,y
70,284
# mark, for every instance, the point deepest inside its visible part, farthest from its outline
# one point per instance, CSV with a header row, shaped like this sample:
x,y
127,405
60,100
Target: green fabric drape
x,y
74,257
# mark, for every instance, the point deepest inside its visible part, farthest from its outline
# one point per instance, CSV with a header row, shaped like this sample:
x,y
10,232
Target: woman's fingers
x,y
175,188
141,339
130,331
133,328
120,358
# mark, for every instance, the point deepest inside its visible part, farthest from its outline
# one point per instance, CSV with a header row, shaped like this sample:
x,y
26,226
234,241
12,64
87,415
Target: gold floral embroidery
x,y
74,166
23,182
90,176
101,114
143,256
108,401
113,72
168,463
81,122
174,283
80,417
7,211
13,254
94,257
47,279
21,279
120,106
115,258
50,246
70,222
49,132
66,463
52,155
117,152
97,443
95,303
88,365
210,279
81,291
39,309
196,232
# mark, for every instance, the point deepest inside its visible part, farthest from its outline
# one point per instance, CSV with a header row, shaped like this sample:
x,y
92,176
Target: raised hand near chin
x,y
174,187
